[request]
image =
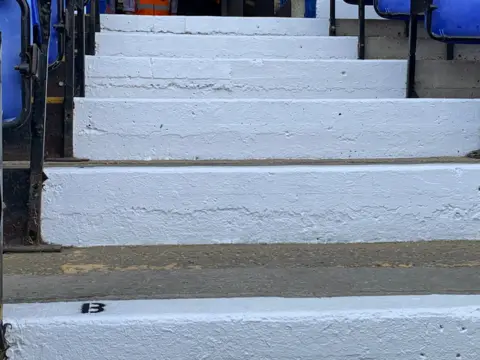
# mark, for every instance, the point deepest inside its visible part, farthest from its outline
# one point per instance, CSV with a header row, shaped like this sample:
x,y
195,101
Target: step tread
x,y
263,162
152,37
243,271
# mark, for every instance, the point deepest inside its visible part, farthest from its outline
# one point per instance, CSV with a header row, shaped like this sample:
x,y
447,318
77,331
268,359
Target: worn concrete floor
x,y
244,270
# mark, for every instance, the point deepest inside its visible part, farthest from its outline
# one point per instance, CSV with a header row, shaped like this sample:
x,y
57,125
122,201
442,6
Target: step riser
x,y
260,129
213,46
387,328
202,25
109,77
228,78
295,204
427,49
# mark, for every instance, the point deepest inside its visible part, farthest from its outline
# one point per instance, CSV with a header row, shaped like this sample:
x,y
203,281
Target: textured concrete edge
x,y
390,328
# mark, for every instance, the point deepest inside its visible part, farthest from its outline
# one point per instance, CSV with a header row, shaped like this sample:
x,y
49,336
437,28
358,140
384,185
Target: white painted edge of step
x,y
152,205
440,327
208,25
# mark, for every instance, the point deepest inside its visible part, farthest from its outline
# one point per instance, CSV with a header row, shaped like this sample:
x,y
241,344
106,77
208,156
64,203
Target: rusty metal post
x,y
1,191
3,327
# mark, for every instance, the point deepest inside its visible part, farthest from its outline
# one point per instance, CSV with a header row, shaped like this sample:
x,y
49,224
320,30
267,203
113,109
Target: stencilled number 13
x,y
92,308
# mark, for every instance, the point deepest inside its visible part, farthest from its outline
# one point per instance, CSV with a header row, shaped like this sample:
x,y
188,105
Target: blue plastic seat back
x,y
393,9
455,21
10,26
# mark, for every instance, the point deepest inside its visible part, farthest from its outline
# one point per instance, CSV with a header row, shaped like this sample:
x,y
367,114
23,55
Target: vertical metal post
x,y
3,327
415,9
38,122
97,16
1,191
450,51
224,6
69,87
361,29
92,28
332,29
80,50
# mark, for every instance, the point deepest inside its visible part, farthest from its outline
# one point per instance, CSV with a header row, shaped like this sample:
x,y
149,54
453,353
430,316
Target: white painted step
x,y
224,46
149,205
440,327
120,129
144,77
208,25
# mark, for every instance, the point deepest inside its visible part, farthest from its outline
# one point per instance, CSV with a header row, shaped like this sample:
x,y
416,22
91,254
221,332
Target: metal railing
x,y
76,34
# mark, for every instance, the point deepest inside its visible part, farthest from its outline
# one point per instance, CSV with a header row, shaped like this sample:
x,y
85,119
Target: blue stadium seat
x,y
454,21
393,9
17,20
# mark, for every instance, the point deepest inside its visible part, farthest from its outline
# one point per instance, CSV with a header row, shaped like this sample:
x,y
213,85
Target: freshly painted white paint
x,y
344,10
119,129
143,77
440,327
225,46
298,204
206,25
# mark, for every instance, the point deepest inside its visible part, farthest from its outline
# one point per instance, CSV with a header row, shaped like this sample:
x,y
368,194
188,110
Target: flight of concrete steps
x,y
236,130
268,134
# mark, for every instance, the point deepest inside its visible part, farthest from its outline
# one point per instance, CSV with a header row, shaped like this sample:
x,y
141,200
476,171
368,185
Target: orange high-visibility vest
x,y
153,7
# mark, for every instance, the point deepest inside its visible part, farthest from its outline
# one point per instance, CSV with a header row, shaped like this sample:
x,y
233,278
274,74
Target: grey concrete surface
x,y
393,29
244,271
427,49
238,282
435,77
456,79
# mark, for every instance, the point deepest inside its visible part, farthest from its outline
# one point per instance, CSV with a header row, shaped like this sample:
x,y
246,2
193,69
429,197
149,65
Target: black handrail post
x,y
69,87
3,326
97,16
38,122
332,29
80,50
450,51
1,209
60,27
361,29
92,27
416,8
